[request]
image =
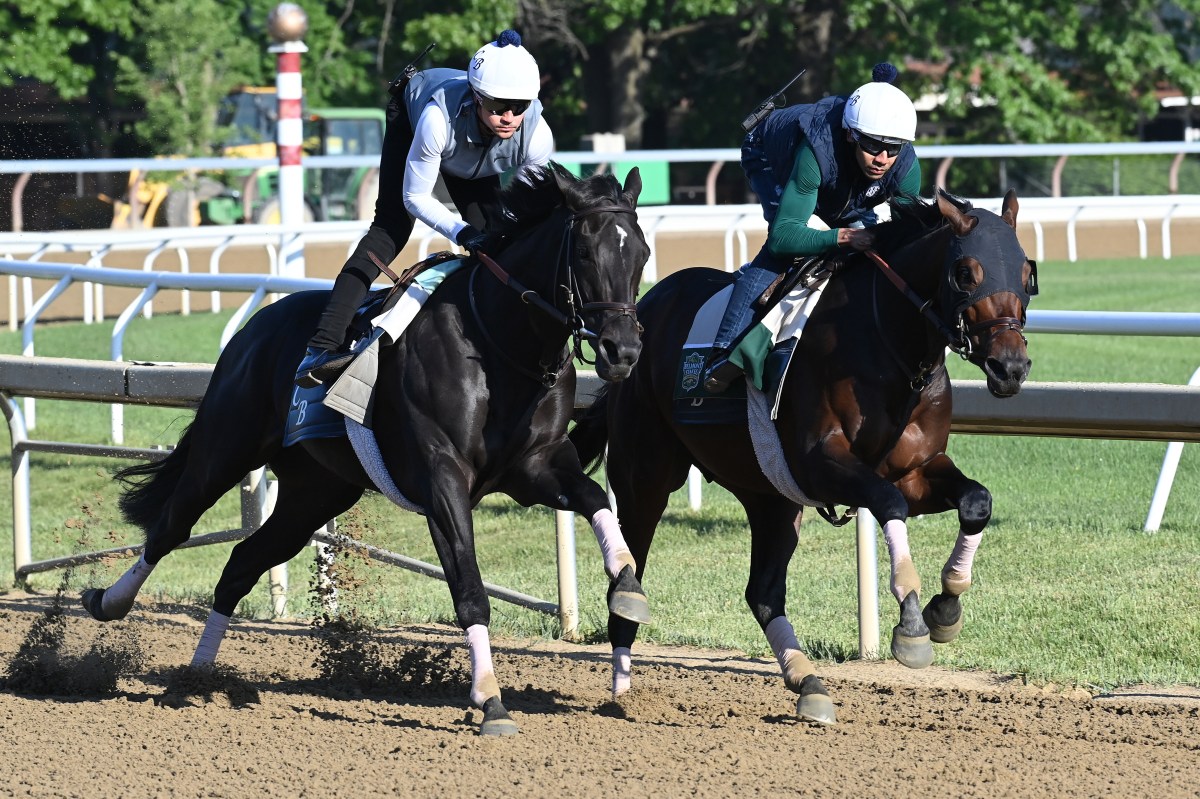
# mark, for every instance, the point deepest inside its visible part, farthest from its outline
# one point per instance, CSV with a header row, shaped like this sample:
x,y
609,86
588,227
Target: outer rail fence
x,y
1078,410
717,158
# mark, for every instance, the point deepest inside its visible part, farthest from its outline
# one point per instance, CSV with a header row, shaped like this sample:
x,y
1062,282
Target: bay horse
x,y
863,419
473,399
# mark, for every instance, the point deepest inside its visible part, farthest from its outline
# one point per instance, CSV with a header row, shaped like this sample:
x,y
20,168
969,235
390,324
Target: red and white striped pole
x,y
287,24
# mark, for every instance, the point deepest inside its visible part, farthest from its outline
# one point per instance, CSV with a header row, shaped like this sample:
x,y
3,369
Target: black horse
x,y
474,399
863,418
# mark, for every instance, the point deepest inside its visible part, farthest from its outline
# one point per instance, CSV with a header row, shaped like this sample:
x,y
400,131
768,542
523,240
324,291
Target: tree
x,y
1057,71
181,76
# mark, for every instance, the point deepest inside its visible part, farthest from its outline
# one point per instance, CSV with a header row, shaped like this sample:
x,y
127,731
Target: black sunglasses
x,y
498,107
872,146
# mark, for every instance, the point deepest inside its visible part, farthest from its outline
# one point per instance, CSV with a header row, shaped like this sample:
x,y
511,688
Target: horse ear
x,y
1008,210
633,186
960,223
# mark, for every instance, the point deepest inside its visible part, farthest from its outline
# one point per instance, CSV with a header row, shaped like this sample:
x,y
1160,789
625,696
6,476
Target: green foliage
x,y
1057,71
48,40
181,76
666,74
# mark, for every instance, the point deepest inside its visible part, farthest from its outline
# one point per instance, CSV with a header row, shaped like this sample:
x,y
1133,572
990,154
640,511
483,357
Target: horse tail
x,y
146,488
590,433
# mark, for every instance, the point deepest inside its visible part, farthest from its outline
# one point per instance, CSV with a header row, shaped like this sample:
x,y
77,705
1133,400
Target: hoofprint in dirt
x,y
698,723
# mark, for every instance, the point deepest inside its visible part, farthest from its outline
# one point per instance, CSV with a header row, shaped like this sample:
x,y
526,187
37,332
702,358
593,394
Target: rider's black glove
x,y
471,238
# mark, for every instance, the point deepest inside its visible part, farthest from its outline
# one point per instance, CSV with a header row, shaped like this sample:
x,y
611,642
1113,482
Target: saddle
x,y
321,411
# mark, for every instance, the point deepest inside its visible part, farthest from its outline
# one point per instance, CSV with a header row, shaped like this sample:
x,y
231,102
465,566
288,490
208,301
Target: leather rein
x,y
959,339
572,319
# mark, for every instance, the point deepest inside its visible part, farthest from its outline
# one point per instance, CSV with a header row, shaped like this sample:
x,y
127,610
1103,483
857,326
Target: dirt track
x,y
697,723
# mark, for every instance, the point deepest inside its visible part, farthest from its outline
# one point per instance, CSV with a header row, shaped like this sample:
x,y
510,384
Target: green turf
x,y
1067,587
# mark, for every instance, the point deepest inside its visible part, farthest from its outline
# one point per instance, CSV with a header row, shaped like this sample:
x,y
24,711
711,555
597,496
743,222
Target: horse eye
x,y
964,278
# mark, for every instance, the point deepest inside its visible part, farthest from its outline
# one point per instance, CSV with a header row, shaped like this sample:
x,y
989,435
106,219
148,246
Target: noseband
x,y
573,318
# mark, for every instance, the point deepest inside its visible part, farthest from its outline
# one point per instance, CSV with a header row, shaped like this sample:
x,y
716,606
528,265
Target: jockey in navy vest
x,y
467,128
836,159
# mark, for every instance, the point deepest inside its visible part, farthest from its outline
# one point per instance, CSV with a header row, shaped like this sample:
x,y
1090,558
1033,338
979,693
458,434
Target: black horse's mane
x,y
913,218
535,193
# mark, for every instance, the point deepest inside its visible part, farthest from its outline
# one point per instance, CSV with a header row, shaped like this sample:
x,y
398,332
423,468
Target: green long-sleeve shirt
x,y
790,234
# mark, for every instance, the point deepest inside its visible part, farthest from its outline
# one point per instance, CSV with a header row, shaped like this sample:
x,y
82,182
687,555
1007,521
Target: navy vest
x,y
842,198
468,154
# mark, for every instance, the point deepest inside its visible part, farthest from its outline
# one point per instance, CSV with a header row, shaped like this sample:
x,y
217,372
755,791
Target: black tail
x,y
590,433
148,487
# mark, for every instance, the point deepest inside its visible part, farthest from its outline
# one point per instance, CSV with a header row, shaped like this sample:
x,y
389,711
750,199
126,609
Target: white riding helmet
x,y
504,70
880,110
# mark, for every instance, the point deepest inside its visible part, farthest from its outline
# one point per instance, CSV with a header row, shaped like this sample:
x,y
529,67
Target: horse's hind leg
x,y
774,531
309,496
172,496
938,483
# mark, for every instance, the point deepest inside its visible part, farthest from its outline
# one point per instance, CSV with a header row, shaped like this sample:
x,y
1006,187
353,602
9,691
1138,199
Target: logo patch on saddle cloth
x,y
776,335
309,418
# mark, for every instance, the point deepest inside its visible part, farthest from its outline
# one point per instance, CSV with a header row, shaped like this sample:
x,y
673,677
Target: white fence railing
x,y
945,155
225,246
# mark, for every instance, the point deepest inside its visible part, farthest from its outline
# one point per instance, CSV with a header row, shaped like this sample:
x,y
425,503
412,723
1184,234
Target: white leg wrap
x,y
956,576
119,598
622,670
483,679
612,543
904,574
210,639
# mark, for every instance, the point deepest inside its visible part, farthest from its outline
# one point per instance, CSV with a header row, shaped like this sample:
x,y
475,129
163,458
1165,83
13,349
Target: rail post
x,y
287,24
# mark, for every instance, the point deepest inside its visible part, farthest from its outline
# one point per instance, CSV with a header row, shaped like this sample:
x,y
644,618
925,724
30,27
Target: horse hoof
x,y
626,599
944,618
817,708
916,652
944,634
92,600
496,720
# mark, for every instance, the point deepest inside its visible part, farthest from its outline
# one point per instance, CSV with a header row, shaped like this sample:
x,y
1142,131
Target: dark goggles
x,y
872,146
497,107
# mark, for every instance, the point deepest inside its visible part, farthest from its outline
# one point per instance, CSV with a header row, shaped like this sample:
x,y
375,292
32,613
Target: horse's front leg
x,y
555,479
931,489
774,526
839,476
453,534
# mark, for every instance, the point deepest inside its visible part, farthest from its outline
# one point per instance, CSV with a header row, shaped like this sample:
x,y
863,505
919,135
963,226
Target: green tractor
x,y
252,196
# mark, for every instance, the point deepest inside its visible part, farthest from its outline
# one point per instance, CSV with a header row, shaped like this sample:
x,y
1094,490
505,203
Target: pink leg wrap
x,y
612,543
210,639
793,663
956,576
483,679
904,575
622,673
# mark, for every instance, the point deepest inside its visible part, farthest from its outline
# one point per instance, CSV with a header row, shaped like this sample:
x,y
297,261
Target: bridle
x,y
573,317
955,302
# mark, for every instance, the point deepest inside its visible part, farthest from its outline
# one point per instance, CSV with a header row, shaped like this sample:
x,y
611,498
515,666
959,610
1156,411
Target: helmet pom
x,y
508,37
884,73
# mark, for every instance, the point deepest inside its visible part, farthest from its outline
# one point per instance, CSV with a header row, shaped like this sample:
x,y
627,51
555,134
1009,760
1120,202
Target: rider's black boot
x,y
320,366
721,374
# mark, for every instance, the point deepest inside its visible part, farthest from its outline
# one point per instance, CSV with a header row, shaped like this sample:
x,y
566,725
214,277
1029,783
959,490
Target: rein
x,y
924,307
572,321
